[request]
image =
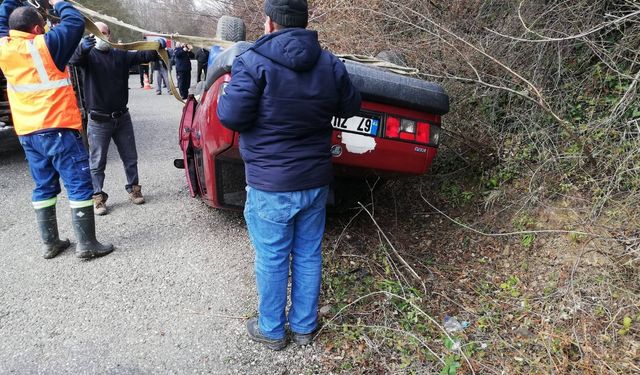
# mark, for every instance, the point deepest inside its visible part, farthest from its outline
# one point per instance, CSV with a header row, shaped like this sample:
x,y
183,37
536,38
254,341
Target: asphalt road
x,y
170,299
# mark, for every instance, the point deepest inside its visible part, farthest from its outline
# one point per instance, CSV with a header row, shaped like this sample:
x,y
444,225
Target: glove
x,y
88,42
163,43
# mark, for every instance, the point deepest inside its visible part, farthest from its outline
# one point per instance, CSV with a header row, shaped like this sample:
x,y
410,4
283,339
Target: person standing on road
x,y
47,119
203,59
282,96
182,56
106,79
142,70
162,77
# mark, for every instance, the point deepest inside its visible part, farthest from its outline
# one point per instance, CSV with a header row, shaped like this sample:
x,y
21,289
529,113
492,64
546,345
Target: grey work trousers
x,y
161,76
100,134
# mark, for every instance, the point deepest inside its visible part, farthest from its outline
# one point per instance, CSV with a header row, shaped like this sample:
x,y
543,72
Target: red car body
x,y
371,144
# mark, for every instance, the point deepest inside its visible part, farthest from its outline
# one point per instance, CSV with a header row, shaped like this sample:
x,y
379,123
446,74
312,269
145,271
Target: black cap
x,y
288,13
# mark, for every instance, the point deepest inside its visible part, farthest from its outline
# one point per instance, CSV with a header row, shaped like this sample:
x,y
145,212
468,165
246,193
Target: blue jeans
x,y
100,134
54,154
286,229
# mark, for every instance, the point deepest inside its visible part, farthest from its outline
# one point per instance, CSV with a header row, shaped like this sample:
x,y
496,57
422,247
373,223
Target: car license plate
x,y
357,124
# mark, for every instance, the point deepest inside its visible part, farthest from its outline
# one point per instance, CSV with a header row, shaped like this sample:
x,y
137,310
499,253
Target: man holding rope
x,y
47,119
106,87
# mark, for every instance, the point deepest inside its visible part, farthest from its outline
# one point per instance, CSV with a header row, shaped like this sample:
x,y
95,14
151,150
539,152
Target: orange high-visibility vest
x,y
40,95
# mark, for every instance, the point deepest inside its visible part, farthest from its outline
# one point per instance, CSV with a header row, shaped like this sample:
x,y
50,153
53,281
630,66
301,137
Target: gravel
x,y
172,298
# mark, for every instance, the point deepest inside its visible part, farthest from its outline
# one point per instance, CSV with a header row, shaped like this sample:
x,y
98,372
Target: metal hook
x,y
36,5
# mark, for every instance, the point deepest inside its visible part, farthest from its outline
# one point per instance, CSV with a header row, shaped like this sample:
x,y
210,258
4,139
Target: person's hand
x,y
88,42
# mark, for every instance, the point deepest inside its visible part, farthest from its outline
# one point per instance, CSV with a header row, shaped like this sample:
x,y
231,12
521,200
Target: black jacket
x,y
202,56
182,59
106,76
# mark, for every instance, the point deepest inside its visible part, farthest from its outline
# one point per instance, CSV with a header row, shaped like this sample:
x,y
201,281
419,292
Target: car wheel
x,y
231,29
379,85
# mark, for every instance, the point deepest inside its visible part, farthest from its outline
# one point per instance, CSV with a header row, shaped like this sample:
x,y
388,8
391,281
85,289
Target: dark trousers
x,y
202,68
184,81
144,69
100,134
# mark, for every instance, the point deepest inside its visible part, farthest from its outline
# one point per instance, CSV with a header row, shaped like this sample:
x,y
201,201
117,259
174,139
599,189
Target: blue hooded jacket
x,y
282,96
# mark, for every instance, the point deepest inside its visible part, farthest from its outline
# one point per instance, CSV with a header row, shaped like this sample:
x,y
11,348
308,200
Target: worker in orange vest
x,y
47,120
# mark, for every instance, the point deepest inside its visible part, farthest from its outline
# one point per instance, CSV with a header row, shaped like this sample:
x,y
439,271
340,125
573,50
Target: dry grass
x,y
560,303
544,133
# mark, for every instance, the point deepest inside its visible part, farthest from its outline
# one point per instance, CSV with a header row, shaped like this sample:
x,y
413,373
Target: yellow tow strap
x,y
197,41
91,27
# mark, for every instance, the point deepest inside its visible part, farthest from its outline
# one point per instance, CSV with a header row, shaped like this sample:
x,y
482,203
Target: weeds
x,y
542,310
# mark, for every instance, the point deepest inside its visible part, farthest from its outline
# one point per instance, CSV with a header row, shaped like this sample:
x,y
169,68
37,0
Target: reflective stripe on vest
x,y
41,95
46,83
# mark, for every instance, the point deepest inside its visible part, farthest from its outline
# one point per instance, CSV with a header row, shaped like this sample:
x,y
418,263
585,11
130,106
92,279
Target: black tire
x,y
231,29
379,85
223,62
392,57
8,140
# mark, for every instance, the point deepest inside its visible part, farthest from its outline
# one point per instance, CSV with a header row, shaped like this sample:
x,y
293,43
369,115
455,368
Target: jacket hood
x,y
297,49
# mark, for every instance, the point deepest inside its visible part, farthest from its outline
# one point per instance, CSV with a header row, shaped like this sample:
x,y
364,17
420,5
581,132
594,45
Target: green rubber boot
x,y
84,225
48,228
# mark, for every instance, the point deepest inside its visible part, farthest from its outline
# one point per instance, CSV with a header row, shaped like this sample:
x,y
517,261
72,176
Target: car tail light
x,y
392,128
423,132
407,126
411,130
435,135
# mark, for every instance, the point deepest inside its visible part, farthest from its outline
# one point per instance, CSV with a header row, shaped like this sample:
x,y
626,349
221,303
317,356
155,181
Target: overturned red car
x,y
396,134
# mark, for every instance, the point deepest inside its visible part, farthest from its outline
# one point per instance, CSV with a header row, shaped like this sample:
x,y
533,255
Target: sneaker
x,y
158,93
136,194
254,334
302,339
100,204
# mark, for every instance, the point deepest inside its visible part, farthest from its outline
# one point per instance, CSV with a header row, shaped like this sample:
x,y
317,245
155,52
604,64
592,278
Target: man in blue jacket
x,y
283,94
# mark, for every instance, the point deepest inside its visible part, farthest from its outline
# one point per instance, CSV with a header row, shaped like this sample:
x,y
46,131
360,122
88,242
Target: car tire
x,y
231,29
223,62
380,85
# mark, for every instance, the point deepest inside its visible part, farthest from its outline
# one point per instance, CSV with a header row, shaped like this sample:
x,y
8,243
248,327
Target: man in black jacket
x,y
106,78
203,59
182,56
